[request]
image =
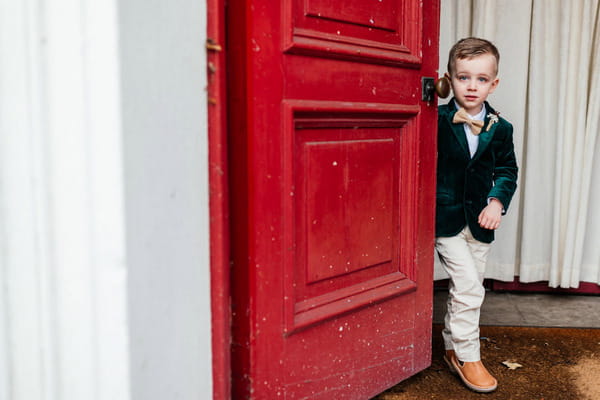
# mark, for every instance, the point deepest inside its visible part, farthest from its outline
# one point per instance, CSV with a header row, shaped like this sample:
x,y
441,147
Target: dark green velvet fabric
x,y
464,184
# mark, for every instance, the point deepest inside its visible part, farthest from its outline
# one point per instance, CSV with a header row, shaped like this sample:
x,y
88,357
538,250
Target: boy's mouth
x,y
472,98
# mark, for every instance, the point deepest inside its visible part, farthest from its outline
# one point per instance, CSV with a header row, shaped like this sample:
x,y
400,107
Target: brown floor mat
x,y
557,364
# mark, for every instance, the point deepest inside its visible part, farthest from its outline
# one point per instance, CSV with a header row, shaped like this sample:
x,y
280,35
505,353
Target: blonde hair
x,y
471,47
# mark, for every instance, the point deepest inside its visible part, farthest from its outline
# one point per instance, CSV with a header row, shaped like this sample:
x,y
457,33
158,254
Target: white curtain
x,y
550,91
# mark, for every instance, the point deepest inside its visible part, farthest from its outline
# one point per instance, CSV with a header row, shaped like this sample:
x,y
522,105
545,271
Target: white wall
x,y
165,153
63,323
104,265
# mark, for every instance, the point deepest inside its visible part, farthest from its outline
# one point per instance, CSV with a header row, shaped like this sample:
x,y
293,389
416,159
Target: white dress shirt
x,y
473,140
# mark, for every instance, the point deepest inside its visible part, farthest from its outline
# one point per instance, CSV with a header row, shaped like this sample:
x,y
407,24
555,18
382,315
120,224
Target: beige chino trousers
x,y
463,257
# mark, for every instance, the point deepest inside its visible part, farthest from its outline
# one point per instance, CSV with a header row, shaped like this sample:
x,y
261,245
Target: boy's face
x,y
473,80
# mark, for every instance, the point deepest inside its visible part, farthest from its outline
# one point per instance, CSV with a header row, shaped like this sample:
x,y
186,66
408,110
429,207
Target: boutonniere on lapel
x,y
493,119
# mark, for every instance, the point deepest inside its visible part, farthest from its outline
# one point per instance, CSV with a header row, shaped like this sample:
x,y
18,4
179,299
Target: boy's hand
x,y
491,215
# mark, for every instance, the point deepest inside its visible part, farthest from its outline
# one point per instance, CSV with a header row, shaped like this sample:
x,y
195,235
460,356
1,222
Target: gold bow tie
x,y
461,116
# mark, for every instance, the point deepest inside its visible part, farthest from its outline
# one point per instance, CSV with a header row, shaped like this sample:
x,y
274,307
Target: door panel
x,y
345,196
386,31
379,15
350,208
332,193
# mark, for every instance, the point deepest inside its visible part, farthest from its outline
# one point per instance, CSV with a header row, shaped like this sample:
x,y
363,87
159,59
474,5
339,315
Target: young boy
x,y
476,179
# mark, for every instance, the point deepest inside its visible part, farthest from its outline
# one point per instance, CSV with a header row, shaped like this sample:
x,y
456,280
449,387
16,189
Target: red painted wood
x,y
241,194
384,32
346,182
378,15
332,160
219,205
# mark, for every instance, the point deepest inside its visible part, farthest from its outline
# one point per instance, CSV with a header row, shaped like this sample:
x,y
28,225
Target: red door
x,y
332,194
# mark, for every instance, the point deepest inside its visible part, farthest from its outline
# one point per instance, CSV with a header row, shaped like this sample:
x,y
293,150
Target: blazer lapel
x,y
458,130
485,137
484,140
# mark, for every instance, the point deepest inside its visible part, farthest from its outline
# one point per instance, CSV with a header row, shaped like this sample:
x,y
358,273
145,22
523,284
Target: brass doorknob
x,y
442,87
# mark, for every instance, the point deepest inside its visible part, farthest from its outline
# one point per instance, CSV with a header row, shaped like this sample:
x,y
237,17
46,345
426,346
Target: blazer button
x,y
468,202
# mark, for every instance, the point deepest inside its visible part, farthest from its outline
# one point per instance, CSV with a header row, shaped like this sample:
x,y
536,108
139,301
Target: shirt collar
x,y
479,117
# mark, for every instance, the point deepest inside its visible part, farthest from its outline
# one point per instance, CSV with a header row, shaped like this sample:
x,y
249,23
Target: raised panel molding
x,y
344,179
378,15
333,150
316,28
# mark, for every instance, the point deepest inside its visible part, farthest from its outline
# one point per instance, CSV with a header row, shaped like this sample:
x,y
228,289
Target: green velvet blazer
x,y
465,184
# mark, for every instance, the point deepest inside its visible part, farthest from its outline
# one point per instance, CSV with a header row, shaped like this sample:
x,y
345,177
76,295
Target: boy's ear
x,y
495,83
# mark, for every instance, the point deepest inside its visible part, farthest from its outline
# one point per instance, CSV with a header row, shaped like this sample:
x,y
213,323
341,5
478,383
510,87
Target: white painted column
x,y
63,330
104,222
164,102
24,337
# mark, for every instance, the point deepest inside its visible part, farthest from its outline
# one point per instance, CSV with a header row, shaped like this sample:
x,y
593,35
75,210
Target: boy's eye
x,y
483,80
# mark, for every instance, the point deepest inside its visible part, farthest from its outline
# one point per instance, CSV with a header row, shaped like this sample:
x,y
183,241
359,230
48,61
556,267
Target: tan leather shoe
x,y
473,374
450,354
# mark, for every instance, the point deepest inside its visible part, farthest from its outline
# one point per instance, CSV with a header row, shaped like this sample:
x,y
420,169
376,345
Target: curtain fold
x,y
590,271
550,91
